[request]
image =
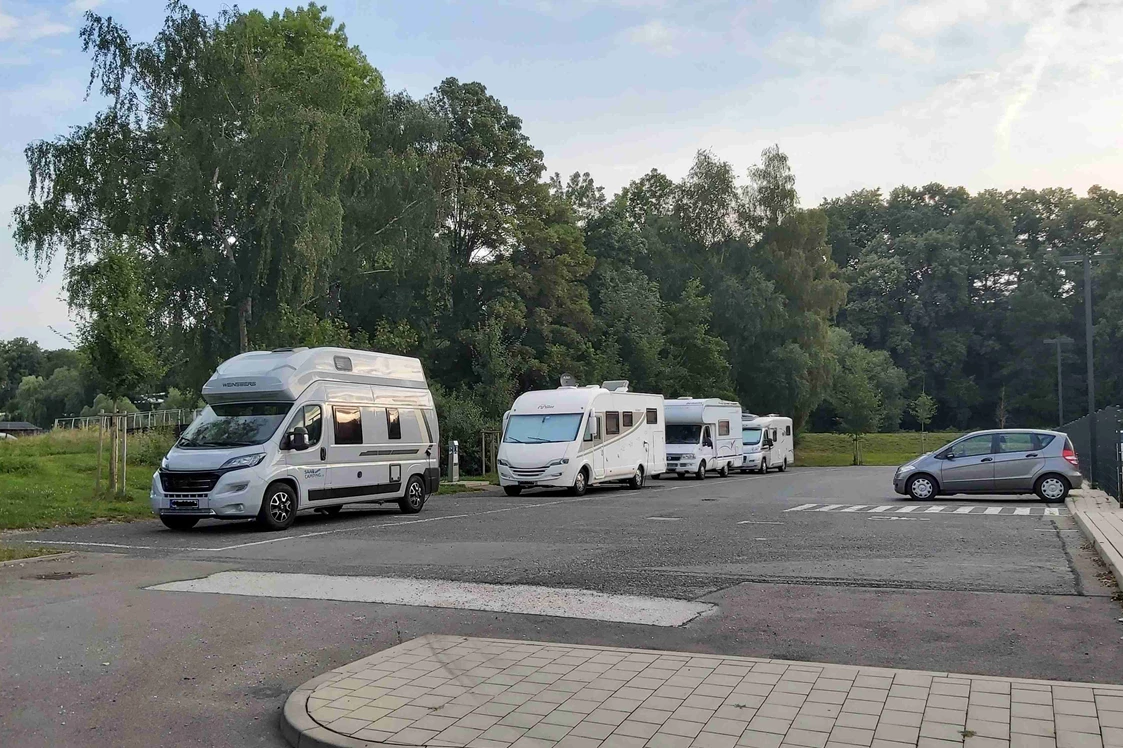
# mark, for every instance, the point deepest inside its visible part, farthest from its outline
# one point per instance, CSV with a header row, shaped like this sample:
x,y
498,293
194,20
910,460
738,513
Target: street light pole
x,y
1086,260
1059,341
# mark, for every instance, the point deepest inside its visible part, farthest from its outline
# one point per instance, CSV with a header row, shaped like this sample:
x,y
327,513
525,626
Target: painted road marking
x,y
439,593
1005,511
757,522
665,519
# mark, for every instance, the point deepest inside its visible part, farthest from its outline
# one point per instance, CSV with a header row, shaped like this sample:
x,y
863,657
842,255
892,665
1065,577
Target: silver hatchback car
x,y
1003,461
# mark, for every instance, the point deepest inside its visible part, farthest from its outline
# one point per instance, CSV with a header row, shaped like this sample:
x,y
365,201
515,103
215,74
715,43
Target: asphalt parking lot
x,y
817,564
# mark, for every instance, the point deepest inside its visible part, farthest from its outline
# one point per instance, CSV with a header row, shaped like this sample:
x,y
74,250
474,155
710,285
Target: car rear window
x,y
1043,440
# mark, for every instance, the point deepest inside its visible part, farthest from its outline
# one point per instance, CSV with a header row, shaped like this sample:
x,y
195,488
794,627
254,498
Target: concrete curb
x,y
301,731
1095,536
33,559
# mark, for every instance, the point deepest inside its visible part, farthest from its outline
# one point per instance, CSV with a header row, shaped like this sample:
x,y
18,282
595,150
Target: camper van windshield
x,y
234,425
683,433
750,436
542,429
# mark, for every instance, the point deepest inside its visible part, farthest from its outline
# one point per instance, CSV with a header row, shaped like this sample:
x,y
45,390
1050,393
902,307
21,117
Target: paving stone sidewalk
x,y
457,692
1101,519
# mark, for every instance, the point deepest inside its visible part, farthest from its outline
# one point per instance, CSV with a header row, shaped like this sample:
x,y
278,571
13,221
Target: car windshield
x,y
683,433
750,436
543,429
234,425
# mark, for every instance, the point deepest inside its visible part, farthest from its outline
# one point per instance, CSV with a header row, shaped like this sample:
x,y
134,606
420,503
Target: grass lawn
x,y
11,554
823,450
49,480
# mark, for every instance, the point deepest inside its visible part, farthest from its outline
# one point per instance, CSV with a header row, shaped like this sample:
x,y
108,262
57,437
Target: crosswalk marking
x,y
971,509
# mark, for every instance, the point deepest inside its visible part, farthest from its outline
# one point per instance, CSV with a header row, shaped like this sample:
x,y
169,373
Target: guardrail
x,y
140,421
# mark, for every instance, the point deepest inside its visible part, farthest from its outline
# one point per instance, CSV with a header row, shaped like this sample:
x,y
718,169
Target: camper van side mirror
x,y
298,439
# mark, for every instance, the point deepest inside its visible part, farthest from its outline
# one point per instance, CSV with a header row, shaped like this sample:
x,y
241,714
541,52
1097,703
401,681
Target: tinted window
x,y
652,415
627,416
683,433
723,428
348,426
611,423
342,363
393,424
1008,443
1041,441
972,447
311,418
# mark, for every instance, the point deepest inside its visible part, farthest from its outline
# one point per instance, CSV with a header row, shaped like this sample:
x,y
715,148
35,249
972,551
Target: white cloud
x,y
78,7
655,35
30,28
904,47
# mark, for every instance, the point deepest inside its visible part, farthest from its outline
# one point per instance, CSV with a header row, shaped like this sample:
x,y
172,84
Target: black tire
x,y
637,480
173,522
1052,488
331,511
922,487
278,507
724,471
763,466
701,474
512,490
784,466
580,483
414,497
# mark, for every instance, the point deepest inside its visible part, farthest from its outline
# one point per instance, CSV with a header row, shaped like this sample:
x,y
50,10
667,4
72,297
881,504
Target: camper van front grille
x,y
528,472
174,482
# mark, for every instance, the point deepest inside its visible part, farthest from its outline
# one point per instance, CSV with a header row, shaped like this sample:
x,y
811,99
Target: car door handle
x,y
987,459
323,453
1032,454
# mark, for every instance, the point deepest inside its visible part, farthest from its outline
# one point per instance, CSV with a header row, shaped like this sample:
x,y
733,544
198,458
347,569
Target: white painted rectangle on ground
x,y
1052,511
855,508
800,508
993,510
1022,511
829,507
882,508
965,509
934,509
907,509
439,593
665,519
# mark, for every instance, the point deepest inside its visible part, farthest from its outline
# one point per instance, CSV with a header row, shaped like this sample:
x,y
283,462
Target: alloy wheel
x,y
280,506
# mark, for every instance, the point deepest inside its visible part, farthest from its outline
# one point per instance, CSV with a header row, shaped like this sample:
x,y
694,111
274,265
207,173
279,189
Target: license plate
x,y
184,503
526,483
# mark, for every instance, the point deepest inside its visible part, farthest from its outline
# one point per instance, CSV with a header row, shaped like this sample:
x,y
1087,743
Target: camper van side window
x,y
393,424
348,426
627,416
611,423
723,428
652,415
787,431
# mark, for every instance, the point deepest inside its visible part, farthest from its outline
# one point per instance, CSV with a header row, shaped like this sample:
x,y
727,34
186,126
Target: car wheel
x,y
637,479
921,487
1051,488
172,522
580,483
763,466
414,497
724,472
784,466
701,474
512,490
278,507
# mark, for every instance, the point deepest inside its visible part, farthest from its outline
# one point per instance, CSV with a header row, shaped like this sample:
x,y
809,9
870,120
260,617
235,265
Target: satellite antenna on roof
x,y
568,380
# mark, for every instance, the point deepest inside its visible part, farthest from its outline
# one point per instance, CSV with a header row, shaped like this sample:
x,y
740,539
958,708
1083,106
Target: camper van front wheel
x,y
701,474
580,483
414,497
278,508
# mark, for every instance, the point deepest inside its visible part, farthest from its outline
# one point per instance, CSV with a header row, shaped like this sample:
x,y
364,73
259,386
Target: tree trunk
x,y
245,309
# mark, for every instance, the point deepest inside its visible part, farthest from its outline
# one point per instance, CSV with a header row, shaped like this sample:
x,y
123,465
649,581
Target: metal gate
x,y
1102,468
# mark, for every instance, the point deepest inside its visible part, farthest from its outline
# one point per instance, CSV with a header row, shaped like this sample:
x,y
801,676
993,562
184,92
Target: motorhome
x,y
299,429
574,437
702,436
767,443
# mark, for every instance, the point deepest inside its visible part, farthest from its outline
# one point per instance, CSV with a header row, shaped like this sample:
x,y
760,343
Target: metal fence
x,y
1105,433
153,419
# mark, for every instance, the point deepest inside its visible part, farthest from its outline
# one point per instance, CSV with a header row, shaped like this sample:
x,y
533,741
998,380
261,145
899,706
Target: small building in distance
x,y
19,428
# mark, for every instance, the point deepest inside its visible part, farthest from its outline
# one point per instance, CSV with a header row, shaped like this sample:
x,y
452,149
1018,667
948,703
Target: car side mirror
x,y
948,456
298,439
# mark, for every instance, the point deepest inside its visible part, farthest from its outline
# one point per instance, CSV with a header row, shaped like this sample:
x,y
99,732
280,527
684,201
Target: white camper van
x,y
702,435
574,437
299,428
767,443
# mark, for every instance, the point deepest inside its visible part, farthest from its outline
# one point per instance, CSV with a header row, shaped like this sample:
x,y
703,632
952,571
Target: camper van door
x,y
308,463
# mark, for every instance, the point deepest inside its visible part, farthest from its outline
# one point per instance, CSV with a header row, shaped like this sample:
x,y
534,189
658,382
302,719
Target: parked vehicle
x,y
766,442
574,437
702,436
359,427
1006,461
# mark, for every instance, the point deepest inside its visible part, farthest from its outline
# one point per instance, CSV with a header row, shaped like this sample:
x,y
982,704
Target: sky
x,y
858,93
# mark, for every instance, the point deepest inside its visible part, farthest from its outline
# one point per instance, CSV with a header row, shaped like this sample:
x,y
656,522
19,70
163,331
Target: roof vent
x,y
616,385
685,397
297,349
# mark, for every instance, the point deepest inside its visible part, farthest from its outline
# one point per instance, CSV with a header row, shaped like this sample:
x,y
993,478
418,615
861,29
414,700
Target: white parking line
x,y
1051,511
993,510
934,509
800,508
855,508
439,593
895,509
666,519
964,509
1022,511
907,509
881,508
829,507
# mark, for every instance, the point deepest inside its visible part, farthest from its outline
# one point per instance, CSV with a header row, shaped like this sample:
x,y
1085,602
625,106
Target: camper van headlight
x,y
504,463
243,461
562,461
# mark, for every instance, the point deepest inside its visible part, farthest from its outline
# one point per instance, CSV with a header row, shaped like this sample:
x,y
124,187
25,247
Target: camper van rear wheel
x,y
414,497
783,466
724,472
278,507
637,479
580,483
